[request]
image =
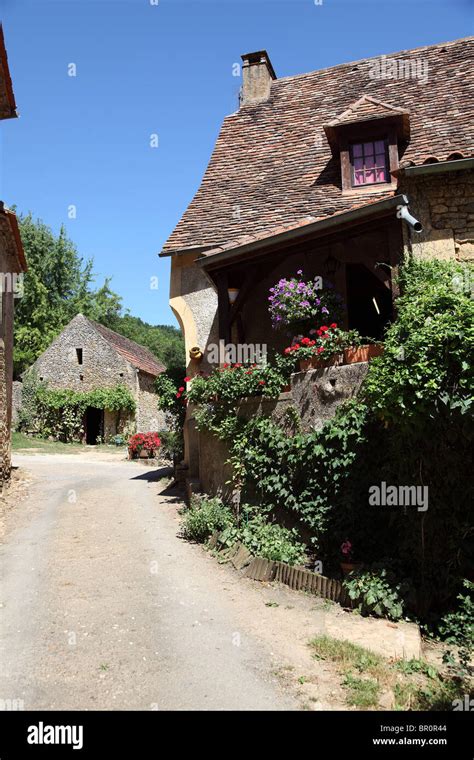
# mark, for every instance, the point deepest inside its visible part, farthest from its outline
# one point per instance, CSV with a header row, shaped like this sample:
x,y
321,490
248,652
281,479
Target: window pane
x,y
358,163
381,175
369,177
359,178
379,146
369,162
368,149
357,150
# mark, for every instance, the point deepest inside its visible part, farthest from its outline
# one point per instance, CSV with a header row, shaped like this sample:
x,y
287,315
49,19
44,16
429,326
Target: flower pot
x,y
333,361
358,354
132,454
305,365
145,454
350,567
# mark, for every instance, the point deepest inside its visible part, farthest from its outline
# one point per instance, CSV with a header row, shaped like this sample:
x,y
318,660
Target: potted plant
x,y
330,341
348,566
143,445
297,304
302,349
360,349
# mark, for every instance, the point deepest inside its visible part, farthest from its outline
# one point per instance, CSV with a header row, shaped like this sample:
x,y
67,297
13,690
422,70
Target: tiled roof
x,y
7,98
10,239
366,107
138,356
272,164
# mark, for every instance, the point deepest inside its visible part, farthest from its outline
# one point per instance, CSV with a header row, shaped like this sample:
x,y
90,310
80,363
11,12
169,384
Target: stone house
x,y
86,356
12,266
339,172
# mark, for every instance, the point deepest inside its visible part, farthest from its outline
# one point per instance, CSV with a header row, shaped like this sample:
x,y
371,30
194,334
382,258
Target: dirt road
x,y
104,606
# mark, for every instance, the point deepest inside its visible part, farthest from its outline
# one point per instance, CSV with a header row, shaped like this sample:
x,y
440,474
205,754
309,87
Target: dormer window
x,y
369,163
366,139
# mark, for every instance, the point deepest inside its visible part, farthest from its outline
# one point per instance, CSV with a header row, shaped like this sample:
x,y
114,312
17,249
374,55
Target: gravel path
x,y
105,607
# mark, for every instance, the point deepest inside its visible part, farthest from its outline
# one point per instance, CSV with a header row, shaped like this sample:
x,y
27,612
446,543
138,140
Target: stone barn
x,y
86,356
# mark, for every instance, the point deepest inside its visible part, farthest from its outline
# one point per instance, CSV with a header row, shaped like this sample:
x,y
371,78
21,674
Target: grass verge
x,y
411,685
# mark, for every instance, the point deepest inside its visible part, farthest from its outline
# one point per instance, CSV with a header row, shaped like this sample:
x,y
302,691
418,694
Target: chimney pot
x,y
257,76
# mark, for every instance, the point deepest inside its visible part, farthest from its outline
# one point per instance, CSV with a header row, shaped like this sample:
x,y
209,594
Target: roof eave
x,y
360,214
436,168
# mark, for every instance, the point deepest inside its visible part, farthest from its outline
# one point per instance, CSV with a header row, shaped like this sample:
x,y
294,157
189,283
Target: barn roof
x,y
138,356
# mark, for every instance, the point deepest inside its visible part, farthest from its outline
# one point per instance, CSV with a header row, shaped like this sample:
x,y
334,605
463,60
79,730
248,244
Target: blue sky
x,y
163,69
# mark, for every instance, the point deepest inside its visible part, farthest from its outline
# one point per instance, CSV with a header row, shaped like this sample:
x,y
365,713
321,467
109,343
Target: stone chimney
x,y
257,75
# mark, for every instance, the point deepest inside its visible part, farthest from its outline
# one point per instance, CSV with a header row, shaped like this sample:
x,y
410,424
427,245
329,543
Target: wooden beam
x,y
223,305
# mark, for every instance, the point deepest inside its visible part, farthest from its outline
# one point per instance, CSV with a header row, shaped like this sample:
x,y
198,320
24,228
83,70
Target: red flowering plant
x,y
148,441
218,394
347,550
331,340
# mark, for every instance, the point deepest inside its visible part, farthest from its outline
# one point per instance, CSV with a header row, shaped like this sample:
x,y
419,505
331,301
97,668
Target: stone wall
x,y
444,204
149,417
102,366
314,396
5,455
17,390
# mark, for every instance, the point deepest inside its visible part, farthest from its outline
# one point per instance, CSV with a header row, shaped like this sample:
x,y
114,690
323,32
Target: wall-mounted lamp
x,y
233,293
331,265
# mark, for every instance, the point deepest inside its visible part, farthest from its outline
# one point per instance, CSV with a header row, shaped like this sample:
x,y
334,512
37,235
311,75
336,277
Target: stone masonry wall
x,y
102,366
149,417
314,396
5,456
444,204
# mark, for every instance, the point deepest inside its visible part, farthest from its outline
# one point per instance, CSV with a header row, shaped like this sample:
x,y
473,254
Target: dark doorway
x,y
94,425
369,302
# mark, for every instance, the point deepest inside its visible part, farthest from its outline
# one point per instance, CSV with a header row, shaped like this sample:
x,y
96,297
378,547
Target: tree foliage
x,y
60,284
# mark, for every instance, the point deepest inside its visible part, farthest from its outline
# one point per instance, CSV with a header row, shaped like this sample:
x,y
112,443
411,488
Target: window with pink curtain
x,y
369,163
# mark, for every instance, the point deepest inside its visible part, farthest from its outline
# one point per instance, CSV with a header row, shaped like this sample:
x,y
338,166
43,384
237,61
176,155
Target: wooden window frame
x,y
368,132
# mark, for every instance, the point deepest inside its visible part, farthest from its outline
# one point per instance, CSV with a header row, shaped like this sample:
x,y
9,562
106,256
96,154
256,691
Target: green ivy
x,y
59,412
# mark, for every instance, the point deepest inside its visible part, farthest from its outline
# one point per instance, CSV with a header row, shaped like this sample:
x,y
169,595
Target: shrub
x,y
172,444
458,629
266,539
375,594
204,517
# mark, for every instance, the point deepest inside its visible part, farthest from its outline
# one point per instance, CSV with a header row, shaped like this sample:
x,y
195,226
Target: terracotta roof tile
x,y
138,356
272,165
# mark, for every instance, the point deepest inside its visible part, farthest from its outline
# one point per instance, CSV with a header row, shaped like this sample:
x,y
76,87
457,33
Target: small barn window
x,y
79,355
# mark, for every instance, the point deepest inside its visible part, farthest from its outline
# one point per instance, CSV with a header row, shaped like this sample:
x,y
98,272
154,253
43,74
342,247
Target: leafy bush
x,y
219,393
172,444
204,517
28,413
427,362
266,539
458,628
375,594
